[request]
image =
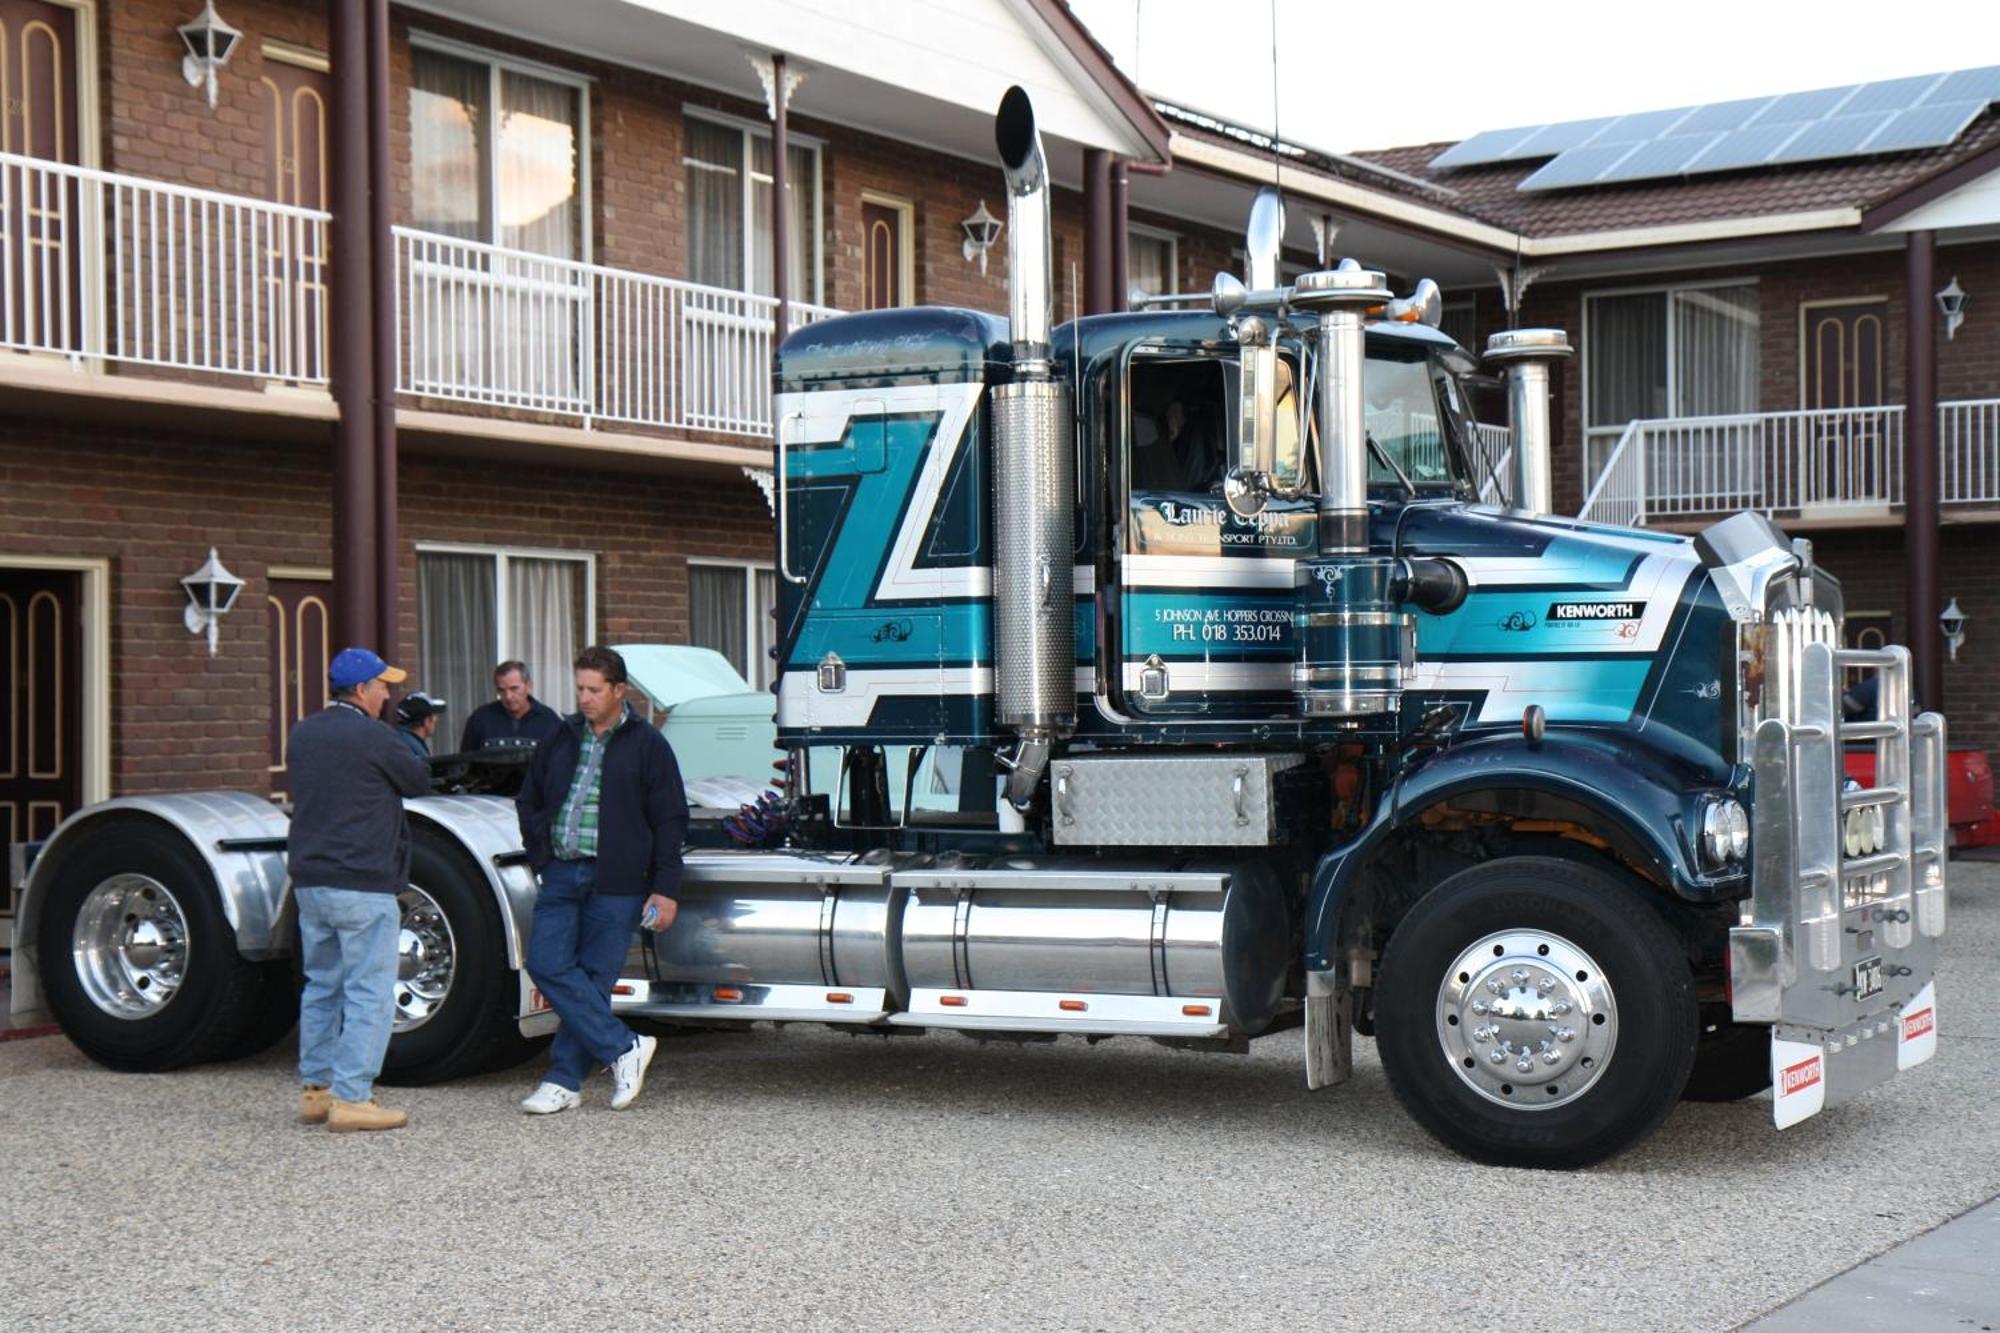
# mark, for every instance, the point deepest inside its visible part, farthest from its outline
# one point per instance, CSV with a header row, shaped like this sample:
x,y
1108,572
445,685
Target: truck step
x,y
1050,1011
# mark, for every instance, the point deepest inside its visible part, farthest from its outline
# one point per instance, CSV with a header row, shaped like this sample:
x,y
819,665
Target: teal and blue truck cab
x,y
1270,710
1245,696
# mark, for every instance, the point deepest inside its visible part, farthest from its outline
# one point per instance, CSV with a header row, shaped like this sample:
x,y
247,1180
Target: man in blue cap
x,y
349,857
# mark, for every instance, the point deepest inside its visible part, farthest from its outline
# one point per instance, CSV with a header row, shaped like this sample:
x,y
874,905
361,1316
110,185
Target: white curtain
x,y
764,630
544,619
540,208
715,612
448,145
1715,351
1625,360
802,189
1149,263
714,162
456,630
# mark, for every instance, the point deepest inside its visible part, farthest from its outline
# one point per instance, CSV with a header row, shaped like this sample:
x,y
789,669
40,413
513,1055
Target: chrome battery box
x,y
1124,800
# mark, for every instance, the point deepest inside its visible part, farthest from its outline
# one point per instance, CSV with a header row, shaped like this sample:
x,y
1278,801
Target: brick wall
x,y
154,503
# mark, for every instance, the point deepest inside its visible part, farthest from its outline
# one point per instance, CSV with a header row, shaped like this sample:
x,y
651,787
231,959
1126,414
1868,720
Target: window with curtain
x,y
729,610
728,170
479,608
496,154
1149,263
1677,352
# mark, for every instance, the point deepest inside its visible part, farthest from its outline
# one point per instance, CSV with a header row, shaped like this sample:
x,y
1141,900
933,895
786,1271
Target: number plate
x,y
1868,978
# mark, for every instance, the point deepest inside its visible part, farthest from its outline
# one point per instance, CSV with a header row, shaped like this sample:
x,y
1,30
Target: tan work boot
x,y
345,1117
314,1103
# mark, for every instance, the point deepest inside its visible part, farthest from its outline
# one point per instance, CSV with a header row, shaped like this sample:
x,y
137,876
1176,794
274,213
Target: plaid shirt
x,y
576,823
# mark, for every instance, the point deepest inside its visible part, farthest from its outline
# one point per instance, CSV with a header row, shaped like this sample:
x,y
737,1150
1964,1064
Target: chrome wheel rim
x,y
426,958
1527,1019
130,946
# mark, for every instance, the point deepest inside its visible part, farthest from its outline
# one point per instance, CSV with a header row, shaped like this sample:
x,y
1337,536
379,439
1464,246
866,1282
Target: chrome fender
x,y
489,831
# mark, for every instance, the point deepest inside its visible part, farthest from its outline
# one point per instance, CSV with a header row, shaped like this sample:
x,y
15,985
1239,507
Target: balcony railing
x,y
1840,462
97,266
509,329
1493,454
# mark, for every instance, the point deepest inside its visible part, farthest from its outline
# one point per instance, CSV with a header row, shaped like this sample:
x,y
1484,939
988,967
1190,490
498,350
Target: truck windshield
x,y
1404,418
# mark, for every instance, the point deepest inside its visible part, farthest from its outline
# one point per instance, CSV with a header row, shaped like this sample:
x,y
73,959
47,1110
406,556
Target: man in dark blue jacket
x,y
348,851
602,817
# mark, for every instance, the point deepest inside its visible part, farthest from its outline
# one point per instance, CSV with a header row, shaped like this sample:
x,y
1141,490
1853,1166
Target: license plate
x,y
1867,978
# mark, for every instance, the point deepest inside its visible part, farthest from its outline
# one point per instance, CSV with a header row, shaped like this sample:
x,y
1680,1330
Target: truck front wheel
x,y
1537,1012
137,959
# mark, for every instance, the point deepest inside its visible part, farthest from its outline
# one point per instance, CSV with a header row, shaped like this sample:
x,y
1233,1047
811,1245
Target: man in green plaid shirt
x,y
602,817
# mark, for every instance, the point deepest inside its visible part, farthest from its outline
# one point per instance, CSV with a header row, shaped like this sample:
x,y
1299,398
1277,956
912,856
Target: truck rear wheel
x,y
1536,1011
455,995
137,959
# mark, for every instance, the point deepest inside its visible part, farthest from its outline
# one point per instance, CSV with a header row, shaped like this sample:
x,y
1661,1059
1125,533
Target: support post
x,y
781,216
1121,222
350,364
1096,232
382,325
1920,470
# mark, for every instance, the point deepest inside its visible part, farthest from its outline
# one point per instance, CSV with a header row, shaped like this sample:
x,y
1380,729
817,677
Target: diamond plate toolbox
x,y
1169,801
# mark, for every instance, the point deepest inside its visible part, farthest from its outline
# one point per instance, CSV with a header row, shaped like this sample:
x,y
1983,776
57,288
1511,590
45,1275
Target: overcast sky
x,y
1413,71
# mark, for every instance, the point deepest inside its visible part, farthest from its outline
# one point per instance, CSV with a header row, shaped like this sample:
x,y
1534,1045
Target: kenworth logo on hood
x,y
1559,611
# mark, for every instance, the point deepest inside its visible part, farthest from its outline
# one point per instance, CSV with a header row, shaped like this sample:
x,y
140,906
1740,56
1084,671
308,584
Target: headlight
x,y
1725,832
1865,829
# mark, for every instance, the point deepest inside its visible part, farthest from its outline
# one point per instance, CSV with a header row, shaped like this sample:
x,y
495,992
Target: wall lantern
x,y
1952,621
982,229
211,592
210,42
1952,302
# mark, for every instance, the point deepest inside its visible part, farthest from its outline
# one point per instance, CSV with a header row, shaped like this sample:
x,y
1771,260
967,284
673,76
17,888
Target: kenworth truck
x,y
1249,713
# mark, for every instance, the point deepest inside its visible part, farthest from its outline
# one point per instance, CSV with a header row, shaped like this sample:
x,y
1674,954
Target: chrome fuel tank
x,y
1083,928
774,919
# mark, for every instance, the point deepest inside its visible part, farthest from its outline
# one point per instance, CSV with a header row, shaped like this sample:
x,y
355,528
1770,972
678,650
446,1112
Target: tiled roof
x,y
1488,194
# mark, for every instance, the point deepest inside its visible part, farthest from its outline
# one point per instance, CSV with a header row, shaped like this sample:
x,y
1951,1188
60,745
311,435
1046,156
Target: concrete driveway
x,y
804,1178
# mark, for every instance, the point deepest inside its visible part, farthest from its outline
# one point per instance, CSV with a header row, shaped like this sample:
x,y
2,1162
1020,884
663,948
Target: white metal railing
x,y
511,329
1493,454
1798,463
95,265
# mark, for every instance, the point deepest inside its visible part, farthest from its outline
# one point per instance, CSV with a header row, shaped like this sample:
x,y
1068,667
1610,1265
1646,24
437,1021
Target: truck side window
x,y
1180,413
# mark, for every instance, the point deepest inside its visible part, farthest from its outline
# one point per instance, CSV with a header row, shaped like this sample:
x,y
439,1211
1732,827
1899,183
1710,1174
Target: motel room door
x,y
41,701
40,219
1843,372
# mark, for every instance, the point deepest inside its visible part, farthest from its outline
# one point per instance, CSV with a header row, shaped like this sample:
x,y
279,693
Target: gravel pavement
x,y
807,1179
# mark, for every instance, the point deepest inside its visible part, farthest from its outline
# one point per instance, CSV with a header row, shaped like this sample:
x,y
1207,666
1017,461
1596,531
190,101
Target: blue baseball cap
x,y
353,666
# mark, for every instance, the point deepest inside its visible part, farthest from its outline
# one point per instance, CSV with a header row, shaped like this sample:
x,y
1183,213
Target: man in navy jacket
x,y
602,818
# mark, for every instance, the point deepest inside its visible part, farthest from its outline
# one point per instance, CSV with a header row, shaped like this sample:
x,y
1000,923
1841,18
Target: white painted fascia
x,y
1255,167
1973,204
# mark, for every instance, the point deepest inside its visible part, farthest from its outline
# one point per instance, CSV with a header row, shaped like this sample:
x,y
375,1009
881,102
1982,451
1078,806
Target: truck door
x,y
1205,602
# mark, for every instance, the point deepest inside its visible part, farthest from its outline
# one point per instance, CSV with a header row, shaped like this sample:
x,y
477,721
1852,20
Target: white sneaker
x,y
628,1071
550,1098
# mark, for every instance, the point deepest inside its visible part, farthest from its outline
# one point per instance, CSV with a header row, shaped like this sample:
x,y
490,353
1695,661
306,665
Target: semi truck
x,y
1263,706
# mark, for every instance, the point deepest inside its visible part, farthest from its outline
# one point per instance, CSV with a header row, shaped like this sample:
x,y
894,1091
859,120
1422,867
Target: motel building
x,y
447,327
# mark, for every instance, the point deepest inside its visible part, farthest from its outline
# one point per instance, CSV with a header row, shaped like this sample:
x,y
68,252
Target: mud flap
x,y
1813,1069
1329,1030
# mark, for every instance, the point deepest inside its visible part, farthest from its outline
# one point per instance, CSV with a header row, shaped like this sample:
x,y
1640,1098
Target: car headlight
x,y
1725,832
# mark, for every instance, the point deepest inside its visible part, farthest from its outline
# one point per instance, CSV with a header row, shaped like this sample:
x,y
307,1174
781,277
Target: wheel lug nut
x,y
1560,1007
1565,1034
1552,1057
1481,1008
1520,976
1544,985
1526,1064
1497,986
1498,1057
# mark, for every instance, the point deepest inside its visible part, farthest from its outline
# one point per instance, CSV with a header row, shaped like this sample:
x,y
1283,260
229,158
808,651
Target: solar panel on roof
x,y
1930,126
1747,147
1723,115
1661,157
1820,124
1797,108
1641,127
1552,139
1891,94
1841,136
1967,85
1484,147
1579,166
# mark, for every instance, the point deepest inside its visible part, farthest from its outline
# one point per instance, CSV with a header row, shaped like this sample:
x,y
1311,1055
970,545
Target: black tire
x,y
219,994
275,1013
1607,1102
1731,1061
473,1028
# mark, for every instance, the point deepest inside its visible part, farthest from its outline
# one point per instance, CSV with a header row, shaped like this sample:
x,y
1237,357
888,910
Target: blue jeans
x,y
575,948
348,943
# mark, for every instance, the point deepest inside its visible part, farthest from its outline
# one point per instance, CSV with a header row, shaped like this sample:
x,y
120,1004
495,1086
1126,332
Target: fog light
x,y
1725,832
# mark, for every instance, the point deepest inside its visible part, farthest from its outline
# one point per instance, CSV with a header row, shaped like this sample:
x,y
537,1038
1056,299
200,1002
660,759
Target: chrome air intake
x,y
1034,625
1527,355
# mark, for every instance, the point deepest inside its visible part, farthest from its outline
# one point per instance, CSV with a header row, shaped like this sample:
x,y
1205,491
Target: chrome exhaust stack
x,y
1527,355
1342,298
1034,504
